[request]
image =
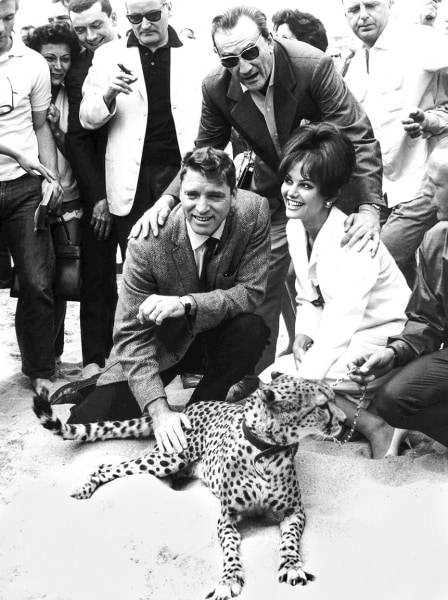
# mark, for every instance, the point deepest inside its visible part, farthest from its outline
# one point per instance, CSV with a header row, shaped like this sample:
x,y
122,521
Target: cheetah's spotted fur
x,y
244,478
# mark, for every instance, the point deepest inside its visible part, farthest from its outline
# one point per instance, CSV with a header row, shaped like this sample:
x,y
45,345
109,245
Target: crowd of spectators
x,y
125,141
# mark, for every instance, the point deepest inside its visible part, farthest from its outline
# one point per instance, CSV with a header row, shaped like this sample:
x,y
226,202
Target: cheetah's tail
x,y
43,411
88,432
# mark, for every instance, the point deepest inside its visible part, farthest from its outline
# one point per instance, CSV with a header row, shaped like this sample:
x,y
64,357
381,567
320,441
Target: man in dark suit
x,y
183,306
94,23
264,89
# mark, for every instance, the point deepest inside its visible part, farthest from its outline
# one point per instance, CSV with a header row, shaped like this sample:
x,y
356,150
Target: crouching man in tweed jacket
x,y
187,302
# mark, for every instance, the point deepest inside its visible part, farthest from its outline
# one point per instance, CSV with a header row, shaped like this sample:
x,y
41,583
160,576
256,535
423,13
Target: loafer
x,y
242,389
75,391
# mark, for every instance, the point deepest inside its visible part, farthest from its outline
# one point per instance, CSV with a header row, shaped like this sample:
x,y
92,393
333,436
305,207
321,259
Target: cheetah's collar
x,y
265,447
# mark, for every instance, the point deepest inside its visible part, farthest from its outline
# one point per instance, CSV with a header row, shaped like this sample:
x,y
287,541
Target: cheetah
x,y
246,454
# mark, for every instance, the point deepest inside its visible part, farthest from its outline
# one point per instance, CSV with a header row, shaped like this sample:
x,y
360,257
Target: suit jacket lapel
x,y
249,120
183,255
285,100
133,62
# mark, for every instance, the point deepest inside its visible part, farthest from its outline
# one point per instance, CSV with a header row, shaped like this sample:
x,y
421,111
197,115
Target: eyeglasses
x,y
250,53
8,106
136,18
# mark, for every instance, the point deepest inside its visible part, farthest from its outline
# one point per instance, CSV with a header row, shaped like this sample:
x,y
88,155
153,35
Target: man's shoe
x,y
75,391
243,388
190,380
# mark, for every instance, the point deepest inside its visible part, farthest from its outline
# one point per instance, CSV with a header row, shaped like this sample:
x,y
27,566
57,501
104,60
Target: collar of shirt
x,y
17,49
197,242
388,38
173,40
265,104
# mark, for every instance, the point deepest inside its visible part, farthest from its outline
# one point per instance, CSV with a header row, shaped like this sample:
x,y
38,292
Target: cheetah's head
x,y
289,408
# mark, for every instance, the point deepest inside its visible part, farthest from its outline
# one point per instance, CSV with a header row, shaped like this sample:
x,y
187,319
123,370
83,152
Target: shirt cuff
x,y
403,352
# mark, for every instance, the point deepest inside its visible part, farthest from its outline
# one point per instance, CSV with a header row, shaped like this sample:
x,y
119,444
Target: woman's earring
x,y
328,204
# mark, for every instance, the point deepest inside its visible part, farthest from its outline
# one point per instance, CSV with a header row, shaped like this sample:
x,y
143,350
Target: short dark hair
x,y
327,155
229,19
304,26
211,163
79,6
55,33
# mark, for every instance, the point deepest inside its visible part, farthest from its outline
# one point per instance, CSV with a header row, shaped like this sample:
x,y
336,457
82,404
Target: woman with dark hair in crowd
x,y
58,44
294,24
348,302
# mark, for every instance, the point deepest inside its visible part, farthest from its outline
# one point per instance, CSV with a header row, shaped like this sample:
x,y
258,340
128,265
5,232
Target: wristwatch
x,y
186,303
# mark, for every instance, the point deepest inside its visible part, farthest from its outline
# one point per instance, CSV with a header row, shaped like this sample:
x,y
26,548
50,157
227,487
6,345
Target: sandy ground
x,y
376,529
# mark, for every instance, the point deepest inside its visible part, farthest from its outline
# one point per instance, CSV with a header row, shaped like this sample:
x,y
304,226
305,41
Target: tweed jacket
x,y
166,265
306,86
129,113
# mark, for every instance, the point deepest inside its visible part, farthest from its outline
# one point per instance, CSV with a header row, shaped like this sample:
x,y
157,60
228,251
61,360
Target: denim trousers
x,y
33,258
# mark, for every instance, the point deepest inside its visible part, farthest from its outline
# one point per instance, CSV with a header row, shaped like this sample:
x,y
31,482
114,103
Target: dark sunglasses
x,y
136,18
8,107
250,53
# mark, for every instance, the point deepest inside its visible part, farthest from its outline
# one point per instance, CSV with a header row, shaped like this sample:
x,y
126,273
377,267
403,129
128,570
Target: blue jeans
x,y
34,263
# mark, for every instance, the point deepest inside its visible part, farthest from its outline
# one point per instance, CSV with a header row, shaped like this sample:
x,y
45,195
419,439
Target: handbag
x,y
67,281
246,171
67,284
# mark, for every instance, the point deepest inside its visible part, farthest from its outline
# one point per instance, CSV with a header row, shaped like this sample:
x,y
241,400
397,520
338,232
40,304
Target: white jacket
x,y
365,298
128,117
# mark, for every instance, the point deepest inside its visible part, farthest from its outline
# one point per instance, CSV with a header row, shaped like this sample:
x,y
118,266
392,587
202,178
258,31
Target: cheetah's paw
x,y
226,589
294,576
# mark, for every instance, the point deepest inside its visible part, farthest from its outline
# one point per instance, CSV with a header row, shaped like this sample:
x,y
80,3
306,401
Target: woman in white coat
x,y
348,302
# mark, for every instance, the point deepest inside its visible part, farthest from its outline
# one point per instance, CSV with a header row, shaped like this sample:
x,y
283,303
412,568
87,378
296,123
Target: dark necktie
x,y
367,60
210,245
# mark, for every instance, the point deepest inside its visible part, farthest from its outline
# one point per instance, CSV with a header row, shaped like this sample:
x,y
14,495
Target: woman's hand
x,y
53,117
302,343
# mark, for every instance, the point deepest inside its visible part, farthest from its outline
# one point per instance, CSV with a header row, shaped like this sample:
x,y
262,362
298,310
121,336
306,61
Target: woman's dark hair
x,y
326,153
211,163
304,26
230,18
56,33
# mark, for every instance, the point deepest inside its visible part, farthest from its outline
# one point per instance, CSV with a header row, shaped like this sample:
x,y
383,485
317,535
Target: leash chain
x,y
358,408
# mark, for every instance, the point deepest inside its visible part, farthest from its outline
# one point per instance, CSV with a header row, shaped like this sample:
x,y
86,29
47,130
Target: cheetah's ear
x,y
275,374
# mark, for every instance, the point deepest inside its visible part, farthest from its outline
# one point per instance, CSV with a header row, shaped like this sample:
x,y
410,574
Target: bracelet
x,y
377,207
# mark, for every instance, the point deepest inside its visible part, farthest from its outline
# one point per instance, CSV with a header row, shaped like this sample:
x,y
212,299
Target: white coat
x,y
128,115
365,298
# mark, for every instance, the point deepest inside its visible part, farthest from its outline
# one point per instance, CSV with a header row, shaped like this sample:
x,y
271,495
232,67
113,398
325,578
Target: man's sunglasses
x,y
136,18
250,53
